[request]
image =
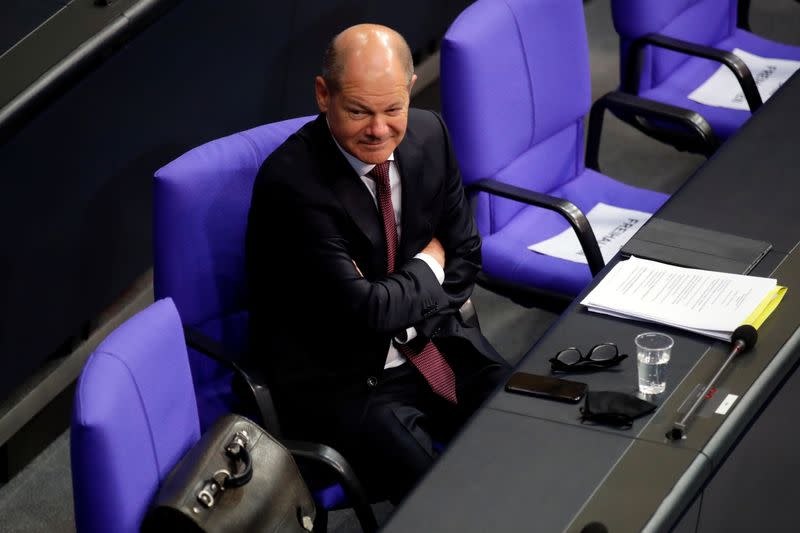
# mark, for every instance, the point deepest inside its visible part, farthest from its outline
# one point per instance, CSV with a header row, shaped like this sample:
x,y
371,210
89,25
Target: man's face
x,y
368,114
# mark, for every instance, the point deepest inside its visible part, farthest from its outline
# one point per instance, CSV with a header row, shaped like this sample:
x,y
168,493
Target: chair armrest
x,y
563,207
728,59
331,459
245,385
210,347
695,134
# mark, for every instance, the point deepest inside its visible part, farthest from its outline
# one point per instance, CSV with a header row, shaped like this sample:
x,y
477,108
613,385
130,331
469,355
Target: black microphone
x,y
743,338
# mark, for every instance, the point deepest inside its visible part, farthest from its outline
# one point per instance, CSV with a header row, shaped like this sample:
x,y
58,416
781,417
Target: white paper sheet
x,y
722,89
707,302
612,227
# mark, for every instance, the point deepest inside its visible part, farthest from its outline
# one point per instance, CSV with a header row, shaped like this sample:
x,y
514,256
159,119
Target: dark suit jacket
x,y
318,329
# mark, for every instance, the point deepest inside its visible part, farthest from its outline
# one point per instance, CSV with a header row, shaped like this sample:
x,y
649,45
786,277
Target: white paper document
x,y
706,302
722,89
612,227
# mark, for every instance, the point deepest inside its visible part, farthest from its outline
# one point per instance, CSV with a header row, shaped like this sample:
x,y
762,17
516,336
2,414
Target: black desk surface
x,y
527,464
749,187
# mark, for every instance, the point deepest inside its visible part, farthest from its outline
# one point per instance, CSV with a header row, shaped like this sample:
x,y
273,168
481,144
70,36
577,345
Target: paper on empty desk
x,y
722,89
706,302
612,226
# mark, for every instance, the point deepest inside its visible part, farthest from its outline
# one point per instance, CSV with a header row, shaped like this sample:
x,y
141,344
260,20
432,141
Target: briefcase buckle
x,y
212,487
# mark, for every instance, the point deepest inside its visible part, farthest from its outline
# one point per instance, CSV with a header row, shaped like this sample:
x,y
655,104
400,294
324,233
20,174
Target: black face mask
x,y
615,409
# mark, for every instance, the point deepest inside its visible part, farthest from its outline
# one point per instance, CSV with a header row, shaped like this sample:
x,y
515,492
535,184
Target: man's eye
x,y
357,113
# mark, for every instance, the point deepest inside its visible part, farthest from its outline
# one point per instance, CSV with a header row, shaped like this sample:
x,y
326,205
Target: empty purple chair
x,y
134,417
668,48
515,91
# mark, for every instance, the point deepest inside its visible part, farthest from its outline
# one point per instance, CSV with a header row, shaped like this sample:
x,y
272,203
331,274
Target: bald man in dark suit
x,y
361,252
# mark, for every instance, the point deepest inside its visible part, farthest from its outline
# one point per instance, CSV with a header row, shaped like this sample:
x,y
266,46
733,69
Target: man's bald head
x,y
372,46
365,91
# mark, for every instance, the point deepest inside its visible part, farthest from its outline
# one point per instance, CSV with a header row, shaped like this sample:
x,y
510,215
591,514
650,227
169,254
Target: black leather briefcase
x,y
236,478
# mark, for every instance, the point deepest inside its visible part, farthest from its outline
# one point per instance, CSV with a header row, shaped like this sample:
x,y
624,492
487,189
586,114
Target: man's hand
x,y
435,250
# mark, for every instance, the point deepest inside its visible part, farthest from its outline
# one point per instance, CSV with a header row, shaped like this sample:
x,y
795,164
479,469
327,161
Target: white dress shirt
x,y
393,358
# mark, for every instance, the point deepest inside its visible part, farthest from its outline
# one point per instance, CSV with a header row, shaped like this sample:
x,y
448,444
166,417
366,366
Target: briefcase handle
x,y
237,450
223,479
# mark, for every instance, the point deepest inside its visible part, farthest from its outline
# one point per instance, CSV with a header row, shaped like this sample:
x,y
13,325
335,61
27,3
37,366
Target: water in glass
x,y
652,371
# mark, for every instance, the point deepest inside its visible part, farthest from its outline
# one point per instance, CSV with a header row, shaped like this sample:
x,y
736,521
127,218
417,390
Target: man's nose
x,y
378,127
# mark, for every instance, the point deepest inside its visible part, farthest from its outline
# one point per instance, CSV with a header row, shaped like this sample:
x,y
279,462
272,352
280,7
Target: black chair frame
x,y
743,14
690,131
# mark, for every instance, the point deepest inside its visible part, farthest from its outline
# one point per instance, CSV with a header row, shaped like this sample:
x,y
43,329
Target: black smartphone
x,y
546,387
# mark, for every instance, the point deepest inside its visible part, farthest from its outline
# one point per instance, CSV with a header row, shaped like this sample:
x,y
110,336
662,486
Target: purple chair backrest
x,y
698,21
134,417
201,201
516,86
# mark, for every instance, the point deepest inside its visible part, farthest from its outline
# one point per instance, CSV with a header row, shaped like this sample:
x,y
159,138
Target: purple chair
x,y
201,201
515,91
668,48
134,417
200,207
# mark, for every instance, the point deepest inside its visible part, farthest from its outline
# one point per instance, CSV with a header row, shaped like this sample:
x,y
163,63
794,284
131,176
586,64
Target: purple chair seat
x,y
669,76
505,253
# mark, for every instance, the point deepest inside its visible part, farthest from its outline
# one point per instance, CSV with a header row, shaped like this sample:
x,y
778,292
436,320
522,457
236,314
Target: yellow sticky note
x,y
766,307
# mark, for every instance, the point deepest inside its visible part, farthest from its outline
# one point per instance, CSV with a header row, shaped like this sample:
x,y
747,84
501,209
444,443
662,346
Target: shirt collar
x,y
361,168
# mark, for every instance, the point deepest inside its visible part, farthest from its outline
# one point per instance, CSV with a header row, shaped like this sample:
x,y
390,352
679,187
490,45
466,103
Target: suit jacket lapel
x,y
413,222
349,189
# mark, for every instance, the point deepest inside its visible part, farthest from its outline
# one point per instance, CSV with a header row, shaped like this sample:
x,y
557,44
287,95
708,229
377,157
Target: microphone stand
x,y
745,337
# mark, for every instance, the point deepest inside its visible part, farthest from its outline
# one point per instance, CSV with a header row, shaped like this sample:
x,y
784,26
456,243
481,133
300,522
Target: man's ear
x,y
322,93
411,83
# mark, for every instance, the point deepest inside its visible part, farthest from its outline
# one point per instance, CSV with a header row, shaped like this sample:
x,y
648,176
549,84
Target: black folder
x,y
693,247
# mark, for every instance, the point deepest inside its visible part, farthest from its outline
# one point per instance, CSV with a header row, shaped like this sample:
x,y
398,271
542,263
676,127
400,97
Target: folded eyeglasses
x,y
603,355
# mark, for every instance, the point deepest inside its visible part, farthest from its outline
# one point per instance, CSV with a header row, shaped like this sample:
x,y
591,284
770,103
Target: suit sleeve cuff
x,y
406,336
434,265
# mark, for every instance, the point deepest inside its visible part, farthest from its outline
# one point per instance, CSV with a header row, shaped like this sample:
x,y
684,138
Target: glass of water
x,y
652,355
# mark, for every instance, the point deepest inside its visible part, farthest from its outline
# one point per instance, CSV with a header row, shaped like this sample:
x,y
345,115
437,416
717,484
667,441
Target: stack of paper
x,y
706,302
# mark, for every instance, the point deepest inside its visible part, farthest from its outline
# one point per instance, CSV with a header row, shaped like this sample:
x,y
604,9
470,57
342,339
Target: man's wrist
x,y
433,264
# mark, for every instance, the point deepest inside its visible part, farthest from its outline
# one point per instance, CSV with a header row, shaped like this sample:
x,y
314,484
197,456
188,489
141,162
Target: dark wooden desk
x,y
524,464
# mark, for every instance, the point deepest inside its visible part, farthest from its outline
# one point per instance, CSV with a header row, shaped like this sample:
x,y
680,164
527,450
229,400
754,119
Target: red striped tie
x,y
429,361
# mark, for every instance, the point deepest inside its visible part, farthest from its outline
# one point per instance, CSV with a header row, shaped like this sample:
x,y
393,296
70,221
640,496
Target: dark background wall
x,y
75,179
